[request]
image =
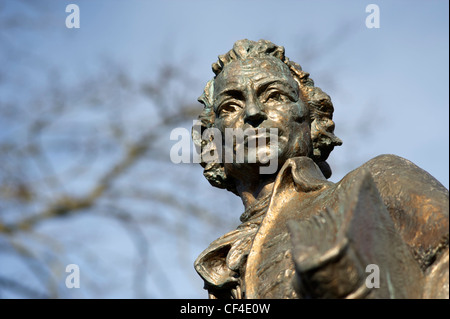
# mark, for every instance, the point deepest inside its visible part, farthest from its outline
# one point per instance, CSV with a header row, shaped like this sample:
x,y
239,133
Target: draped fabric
x,y
222,264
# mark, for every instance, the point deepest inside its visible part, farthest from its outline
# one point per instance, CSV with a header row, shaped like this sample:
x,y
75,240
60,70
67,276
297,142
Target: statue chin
x,y
262,165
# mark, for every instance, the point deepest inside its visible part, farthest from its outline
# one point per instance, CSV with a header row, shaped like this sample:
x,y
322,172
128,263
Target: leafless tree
x,y
82,152
82,159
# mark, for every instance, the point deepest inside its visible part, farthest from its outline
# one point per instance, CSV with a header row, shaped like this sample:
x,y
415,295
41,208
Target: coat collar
x,y
219,264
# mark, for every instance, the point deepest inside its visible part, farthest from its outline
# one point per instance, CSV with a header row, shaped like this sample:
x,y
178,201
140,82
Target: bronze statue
x,y
303,236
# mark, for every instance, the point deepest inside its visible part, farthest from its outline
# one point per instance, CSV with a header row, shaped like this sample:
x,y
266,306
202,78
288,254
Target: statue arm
x,y
333,250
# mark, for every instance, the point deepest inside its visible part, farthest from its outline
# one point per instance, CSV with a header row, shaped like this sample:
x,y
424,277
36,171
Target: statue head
x,y
256,86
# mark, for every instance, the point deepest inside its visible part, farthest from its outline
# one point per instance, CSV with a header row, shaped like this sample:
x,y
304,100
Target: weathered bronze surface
x,y
302,236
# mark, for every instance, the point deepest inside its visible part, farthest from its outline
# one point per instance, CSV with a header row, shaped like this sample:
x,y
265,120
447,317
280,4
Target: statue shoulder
x,y
387,167
417,203
397,178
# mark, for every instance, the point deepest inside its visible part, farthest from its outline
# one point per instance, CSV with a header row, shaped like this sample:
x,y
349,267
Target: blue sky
x,y
391,83
400,69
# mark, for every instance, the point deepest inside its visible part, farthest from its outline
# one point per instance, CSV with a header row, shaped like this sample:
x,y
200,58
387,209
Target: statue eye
x,y
276,96
228,108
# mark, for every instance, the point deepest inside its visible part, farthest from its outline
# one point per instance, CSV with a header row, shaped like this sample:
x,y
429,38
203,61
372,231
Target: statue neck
x,y
252,191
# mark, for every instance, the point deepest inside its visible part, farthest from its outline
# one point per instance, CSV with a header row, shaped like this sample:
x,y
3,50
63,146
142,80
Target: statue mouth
x,y
261,138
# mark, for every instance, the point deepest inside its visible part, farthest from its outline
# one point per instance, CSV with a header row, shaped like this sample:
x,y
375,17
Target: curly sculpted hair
x,y
318,103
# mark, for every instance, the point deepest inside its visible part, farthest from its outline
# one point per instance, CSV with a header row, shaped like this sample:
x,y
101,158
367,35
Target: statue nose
x,y
254,115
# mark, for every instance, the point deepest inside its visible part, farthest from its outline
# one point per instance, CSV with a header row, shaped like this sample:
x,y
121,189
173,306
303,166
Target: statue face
x,y
260,93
